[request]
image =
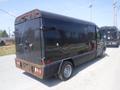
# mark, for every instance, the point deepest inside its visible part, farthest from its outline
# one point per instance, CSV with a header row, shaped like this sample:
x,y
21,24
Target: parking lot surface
x,y
100,74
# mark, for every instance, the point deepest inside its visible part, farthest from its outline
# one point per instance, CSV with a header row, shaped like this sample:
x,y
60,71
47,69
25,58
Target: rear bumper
x,y
29,67
112,43
46,70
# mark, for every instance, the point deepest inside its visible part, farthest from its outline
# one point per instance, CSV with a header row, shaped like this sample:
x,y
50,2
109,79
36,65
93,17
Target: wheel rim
x,y
67,71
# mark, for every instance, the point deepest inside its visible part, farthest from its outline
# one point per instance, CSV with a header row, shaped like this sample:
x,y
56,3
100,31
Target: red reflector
x,y
18,63
38,71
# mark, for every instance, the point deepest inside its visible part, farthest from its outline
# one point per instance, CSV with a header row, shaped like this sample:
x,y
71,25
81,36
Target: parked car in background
x,y
2,42
6,41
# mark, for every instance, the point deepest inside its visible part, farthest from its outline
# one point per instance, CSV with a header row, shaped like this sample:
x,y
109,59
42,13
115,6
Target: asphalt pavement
x,y
99,74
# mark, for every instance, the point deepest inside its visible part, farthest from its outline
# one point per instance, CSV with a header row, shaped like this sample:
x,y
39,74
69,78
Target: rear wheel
x,y
102,53
117,45
66,71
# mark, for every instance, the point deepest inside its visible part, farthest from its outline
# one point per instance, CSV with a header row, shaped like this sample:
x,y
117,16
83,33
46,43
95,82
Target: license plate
x,y
113,42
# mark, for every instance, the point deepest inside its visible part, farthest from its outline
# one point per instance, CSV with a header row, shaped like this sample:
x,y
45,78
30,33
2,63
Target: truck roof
x,y
109,28
37,13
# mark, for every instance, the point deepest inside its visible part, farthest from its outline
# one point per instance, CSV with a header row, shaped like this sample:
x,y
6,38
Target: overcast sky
x,y
102,10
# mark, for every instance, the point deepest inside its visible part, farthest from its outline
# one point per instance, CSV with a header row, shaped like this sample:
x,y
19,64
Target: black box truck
x,y
49,44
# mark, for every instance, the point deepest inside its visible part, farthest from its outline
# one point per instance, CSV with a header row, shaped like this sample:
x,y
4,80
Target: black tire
x,y
62,75
102,53
117,45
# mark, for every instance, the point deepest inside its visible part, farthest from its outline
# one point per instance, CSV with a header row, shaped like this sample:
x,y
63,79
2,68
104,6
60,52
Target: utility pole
x,y
115,12
9,15
118,10
119,15
91,9
9,32
90,6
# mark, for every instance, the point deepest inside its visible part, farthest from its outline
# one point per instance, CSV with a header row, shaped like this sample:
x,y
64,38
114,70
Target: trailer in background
x,y
111,36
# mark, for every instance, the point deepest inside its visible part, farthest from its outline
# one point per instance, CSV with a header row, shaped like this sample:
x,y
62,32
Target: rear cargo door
x,y
28,40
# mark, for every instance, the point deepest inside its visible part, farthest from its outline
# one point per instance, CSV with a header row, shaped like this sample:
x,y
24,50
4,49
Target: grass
x,y
6,50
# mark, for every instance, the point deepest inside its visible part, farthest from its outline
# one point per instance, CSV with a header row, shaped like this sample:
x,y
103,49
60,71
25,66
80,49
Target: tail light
x,y
18,63
38,71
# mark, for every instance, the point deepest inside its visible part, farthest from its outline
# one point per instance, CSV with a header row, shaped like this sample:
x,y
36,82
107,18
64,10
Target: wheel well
x,y
70,60
60,68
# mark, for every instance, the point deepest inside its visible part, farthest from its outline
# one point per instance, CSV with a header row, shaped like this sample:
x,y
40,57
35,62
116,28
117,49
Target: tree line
x,y
3,33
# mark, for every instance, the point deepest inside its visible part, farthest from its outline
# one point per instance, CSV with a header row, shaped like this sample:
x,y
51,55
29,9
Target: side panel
x,y
69,39
90,41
